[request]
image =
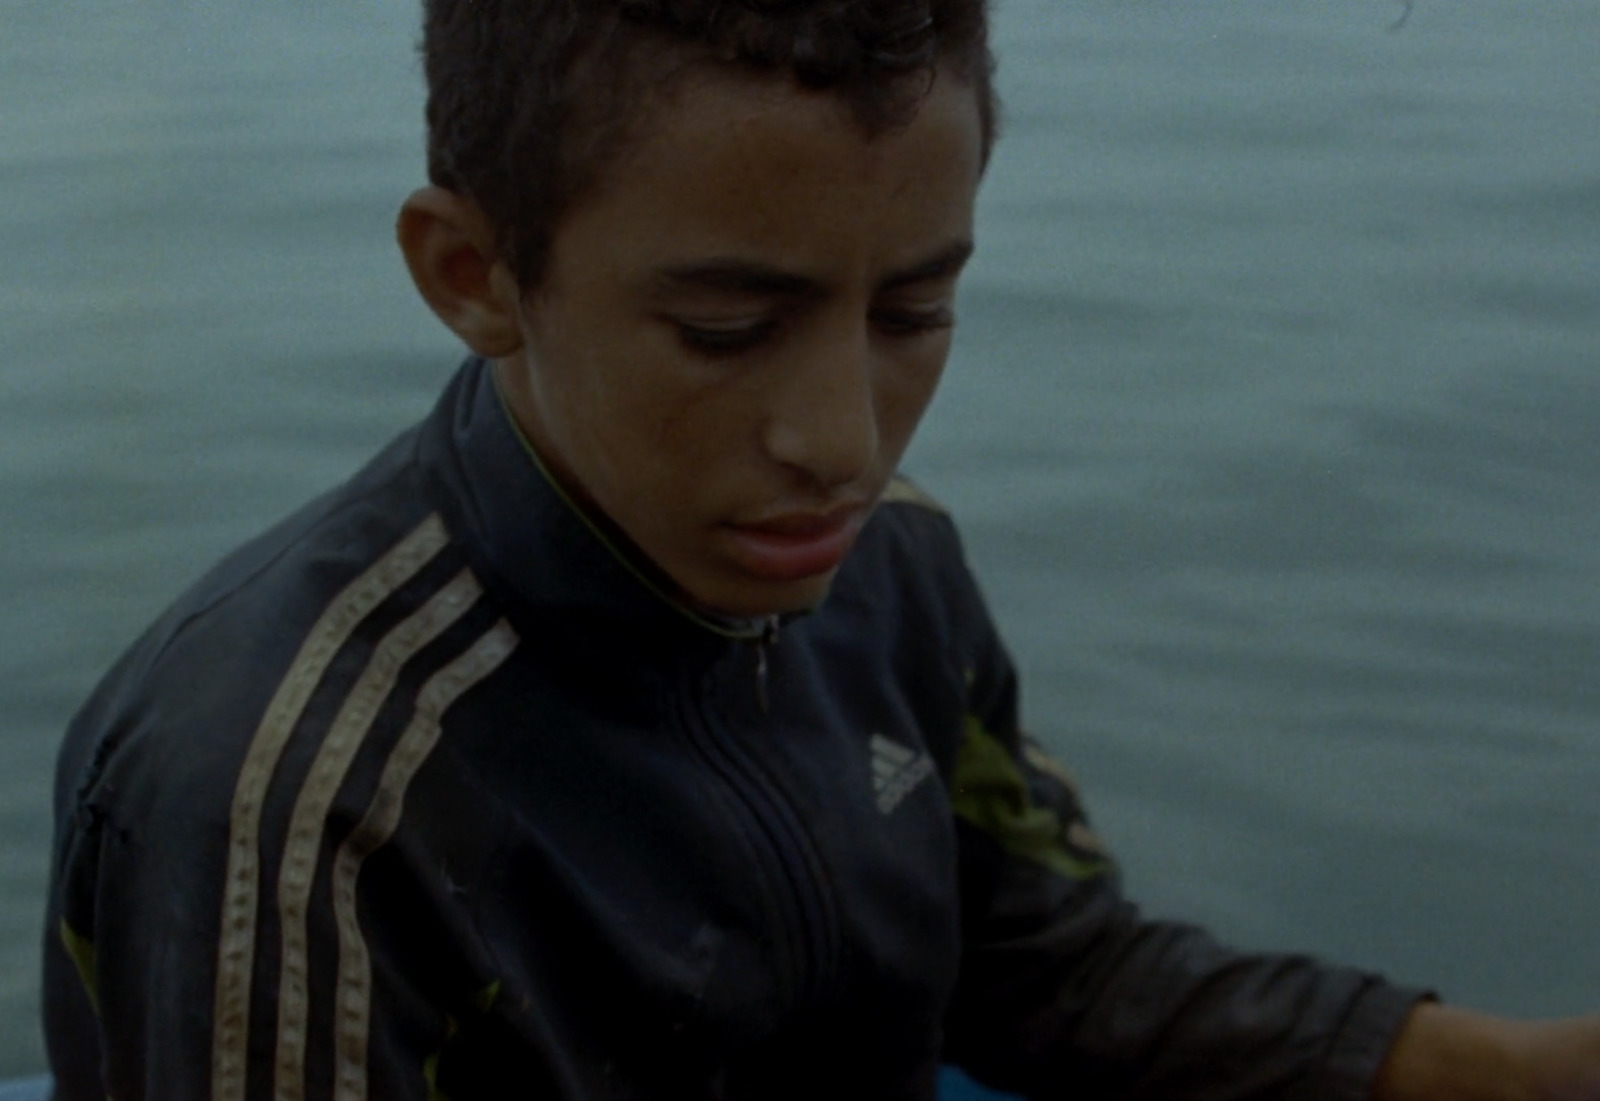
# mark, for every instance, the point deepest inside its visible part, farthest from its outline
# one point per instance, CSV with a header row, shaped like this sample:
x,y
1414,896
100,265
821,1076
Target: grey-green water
x,y
1274,423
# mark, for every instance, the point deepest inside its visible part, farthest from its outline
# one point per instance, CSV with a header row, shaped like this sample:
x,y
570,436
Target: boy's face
x,y
739,330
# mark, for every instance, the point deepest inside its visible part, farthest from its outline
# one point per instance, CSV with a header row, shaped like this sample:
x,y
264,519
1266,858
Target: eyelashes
x,y
910,322
717,340
726,339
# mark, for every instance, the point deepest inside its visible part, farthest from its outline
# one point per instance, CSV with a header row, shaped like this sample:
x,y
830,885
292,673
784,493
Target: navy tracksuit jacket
x,y
430,792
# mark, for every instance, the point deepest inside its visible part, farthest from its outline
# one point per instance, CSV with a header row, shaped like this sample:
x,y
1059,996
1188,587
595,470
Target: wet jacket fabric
x,y
430,792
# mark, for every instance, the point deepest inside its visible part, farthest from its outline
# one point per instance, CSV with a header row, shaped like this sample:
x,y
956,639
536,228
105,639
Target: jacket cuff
x,y
1364,1041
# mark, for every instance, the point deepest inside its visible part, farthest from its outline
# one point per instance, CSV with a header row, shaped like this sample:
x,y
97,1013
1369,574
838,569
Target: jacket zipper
x,y
797,900
768,639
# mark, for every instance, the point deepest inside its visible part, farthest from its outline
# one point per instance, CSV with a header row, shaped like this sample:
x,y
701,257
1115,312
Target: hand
x,y
1449,1054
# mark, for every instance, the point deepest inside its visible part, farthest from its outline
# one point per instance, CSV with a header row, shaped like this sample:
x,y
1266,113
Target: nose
x,y
824,419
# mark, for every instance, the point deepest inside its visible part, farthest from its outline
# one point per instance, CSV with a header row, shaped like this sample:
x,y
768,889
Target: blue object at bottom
x,y
953,1086
25,1089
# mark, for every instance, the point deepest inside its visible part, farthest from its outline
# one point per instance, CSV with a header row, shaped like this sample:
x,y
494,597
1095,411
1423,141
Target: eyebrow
x,y
745,277
948,261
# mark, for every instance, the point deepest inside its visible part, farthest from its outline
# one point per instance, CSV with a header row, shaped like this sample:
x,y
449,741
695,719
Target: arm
x,y
1066,988
133,1002
1445,1052
201,932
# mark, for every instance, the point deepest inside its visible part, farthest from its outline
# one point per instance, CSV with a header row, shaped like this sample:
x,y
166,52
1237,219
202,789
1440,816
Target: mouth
x,y
797,545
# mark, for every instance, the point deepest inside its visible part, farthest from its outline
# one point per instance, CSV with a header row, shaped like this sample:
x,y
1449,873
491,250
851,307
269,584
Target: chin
x,y
749,599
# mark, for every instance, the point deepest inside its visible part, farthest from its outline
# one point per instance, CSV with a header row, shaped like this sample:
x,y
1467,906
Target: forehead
x,y
746,163
671,81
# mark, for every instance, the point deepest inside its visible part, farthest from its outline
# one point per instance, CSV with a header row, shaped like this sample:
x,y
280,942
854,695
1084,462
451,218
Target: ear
x,y
449,247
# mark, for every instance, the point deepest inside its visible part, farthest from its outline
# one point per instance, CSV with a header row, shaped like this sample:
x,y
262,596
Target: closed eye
x,y
911,322
723,338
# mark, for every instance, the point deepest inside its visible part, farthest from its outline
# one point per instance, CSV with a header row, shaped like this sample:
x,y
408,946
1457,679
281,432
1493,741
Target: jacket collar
x,y
533,536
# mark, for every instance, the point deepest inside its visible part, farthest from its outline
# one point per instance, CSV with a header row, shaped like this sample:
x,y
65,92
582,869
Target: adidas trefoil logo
x,y
896,771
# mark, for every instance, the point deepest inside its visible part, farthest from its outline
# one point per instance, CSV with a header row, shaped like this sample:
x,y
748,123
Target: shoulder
x,y
233,772
903,491
910,521
913,537
319,620
261,599
910,567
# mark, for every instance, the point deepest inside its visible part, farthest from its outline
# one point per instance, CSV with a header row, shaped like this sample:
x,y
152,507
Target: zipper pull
x,y
769,637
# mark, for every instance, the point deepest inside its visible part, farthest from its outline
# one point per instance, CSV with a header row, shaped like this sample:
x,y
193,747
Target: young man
x,y
627,729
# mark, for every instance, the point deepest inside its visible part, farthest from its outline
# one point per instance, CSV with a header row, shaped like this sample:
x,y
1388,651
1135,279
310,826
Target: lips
x,y
795,546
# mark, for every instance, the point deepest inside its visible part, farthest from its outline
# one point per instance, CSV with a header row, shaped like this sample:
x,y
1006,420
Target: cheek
x,y
706,420
904,395
607,436
665,447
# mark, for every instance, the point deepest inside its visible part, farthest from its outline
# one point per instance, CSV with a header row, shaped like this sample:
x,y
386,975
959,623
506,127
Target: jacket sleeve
x,y
179,961
1065,990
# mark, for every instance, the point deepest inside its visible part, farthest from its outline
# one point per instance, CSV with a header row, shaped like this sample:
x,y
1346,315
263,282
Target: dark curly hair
x,y
528,98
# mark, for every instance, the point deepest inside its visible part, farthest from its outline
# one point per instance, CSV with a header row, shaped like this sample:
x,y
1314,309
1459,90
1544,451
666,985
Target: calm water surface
x,y
1274,424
